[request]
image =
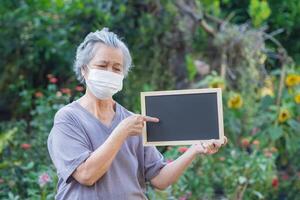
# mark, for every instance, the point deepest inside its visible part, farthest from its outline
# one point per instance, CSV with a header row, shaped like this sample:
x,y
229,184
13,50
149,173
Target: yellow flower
x,y
217,84
284,115
262,59
265,91
235,101
269,81
297,98
292,80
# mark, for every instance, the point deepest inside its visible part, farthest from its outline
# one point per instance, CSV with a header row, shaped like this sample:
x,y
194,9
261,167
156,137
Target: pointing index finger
x,y
150,119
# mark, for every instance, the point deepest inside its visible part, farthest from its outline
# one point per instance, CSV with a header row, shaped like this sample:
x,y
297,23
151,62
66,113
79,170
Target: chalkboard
x,y
186,116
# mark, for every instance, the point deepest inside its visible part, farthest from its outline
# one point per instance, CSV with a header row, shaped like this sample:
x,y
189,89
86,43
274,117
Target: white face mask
x,y
104,84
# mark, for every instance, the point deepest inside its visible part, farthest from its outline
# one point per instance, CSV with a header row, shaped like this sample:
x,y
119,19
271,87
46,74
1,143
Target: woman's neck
x,y
101,108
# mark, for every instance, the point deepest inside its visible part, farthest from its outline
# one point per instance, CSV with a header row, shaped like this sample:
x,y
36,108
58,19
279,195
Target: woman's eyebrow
x,y
117,64
102,62
107,62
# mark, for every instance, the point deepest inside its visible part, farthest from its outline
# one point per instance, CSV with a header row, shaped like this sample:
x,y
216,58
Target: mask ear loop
x,y
84,71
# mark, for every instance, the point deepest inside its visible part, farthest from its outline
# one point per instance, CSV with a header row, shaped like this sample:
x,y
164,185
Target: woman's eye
x,y
117,69
101,66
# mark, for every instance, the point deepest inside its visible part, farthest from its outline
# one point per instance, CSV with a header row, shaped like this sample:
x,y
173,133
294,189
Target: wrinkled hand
x,y
209,147
134,124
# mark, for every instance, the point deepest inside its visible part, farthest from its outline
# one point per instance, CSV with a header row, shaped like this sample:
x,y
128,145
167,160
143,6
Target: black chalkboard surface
x,y
186,116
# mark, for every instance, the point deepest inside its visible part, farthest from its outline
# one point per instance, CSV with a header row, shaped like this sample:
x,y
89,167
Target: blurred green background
x,y
250,49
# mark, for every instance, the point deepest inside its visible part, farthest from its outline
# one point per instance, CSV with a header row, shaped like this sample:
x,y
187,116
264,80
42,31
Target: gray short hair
x,y
86,51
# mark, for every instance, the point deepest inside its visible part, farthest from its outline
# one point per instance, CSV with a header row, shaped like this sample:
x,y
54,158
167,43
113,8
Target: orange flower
x,y
256,143
183,149
66,91
273,149
222,158
53,80
268,152
245,142
38,94
79,88
25,146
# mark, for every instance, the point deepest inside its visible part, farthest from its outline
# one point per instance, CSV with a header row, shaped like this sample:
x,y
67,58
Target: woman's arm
x,y
170,173
97,164
100,160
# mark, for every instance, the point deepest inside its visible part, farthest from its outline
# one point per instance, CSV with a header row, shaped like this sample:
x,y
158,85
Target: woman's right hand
x,y
133,125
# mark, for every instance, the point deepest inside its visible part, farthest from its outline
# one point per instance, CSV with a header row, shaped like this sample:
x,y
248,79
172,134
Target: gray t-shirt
x,y
76,133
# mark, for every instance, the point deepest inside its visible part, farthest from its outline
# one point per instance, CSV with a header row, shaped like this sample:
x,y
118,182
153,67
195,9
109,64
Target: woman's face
x,y
107,58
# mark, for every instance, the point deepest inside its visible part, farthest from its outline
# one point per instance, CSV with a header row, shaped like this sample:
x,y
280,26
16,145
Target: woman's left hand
x,y
209,147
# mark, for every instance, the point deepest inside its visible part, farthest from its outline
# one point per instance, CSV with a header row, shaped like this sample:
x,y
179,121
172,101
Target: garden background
x,y
249,48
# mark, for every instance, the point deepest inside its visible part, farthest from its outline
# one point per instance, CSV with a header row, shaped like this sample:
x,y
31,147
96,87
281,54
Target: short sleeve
x,y
68,148
154,162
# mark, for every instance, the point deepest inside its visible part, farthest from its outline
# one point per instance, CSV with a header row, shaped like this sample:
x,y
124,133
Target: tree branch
x,y
197,17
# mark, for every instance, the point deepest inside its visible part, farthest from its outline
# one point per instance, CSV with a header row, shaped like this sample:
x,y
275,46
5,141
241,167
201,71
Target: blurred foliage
x,y
40,37
226,175
24,167
261,93
191,69
259,12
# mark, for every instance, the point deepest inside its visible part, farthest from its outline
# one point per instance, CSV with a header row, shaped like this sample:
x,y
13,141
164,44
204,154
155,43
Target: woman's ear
x,y
84,72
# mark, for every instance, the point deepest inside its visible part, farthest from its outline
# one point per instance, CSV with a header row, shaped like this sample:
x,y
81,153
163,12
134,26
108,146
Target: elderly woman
x,y
96,144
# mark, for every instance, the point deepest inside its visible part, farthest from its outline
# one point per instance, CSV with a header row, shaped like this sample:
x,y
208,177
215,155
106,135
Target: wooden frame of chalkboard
x,y
218,120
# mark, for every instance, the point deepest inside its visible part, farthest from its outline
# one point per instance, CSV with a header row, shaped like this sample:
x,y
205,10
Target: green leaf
x,y
242,179
6,137
4,165
191,68
259,11
266,102
258,194
294,125
29,166
275,132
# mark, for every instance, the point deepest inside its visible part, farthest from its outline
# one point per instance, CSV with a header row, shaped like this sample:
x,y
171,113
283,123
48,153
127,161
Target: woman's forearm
x,y
100,160
170,173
